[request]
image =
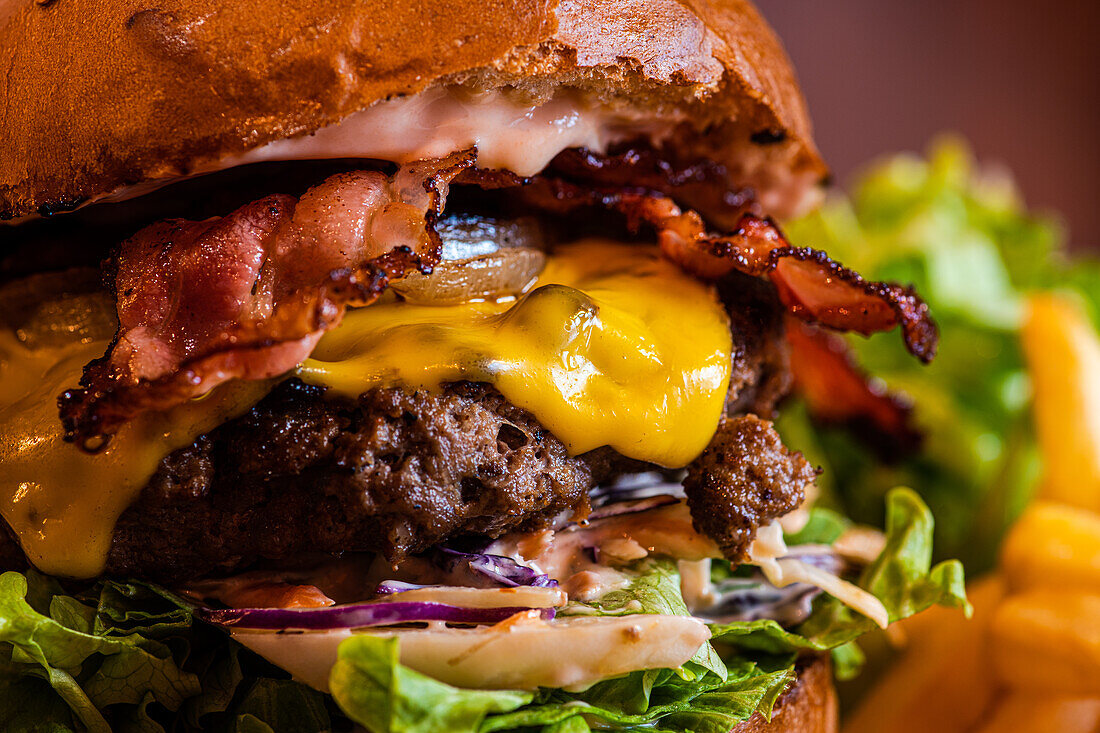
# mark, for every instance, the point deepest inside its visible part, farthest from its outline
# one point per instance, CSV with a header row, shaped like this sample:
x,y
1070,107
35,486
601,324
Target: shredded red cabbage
x,y
389,587
355,616
503,570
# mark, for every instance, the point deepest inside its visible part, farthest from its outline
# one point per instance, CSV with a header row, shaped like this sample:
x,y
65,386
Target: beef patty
x,y
393,472
397,472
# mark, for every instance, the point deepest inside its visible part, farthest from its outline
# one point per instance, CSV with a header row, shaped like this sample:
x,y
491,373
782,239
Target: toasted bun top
x,y
99,95
807,706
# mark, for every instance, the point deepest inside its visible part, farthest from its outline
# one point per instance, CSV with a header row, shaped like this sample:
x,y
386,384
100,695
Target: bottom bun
x,y
807,706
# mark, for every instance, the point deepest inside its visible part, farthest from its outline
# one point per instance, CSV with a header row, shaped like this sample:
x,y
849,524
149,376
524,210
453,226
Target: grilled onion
x,y
483,259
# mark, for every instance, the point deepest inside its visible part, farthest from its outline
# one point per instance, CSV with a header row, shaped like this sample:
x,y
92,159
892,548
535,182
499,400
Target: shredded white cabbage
x,y
695,585
861,543
769,552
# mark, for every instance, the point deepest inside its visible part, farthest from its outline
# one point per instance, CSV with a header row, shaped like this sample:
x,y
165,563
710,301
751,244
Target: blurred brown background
x,y
1021,80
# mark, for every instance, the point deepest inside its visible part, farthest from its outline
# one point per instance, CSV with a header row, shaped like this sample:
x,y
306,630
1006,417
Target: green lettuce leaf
x,y
279,705
902,577
28,703
386,697
377,692
965,240
708,704
89,671
130,657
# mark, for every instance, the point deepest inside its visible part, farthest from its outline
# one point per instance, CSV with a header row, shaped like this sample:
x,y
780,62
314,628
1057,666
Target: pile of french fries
x,y
1029,658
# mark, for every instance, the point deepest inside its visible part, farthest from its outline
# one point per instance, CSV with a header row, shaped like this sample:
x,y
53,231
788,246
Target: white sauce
x,y
523,652
508,134
695,584
769,543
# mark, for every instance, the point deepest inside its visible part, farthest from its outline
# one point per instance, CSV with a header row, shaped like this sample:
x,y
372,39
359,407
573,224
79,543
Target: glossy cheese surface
x,y
62,503
612,345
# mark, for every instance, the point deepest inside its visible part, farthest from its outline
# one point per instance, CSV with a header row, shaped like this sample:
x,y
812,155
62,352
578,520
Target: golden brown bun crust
x,y
807,706
107,93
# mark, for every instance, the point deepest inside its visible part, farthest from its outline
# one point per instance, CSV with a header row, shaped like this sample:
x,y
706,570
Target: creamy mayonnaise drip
x,y
518,136
509,132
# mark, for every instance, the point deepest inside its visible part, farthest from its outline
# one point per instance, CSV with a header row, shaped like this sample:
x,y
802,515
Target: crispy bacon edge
x,y
91,414
837,391
757,247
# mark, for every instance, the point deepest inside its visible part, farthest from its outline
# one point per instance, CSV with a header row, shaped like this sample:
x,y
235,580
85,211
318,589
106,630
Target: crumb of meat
x,y
743,480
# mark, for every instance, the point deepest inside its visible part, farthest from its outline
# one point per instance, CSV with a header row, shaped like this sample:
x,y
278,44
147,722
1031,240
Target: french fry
x,y
942,682
1053,546
1024,712
1043,641
1063,354
1048,639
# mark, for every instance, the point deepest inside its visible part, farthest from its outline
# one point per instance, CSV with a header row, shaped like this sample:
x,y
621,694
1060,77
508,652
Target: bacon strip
x,y
701,185
811,285
248,295
836,390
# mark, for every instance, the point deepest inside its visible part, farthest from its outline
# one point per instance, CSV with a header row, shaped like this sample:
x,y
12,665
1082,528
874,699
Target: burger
x,y
411,366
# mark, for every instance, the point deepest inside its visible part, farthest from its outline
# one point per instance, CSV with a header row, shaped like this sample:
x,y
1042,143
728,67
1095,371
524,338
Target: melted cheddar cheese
x,y
62,502
611,345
